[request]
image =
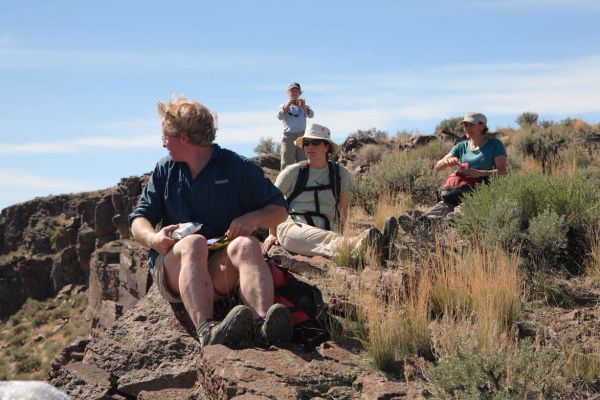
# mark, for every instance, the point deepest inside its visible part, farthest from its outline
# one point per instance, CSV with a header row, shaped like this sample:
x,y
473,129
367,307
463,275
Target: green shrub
x,y
4,369
501,373
31,307
370,153
29,364
488,211
267,146
544,143
527,119
505,219
547,236
18,340
370,133
451,125
398,171
40,318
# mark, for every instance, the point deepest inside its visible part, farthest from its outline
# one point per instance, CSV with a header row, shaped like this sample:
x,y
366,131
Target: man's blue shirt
x,y
228,187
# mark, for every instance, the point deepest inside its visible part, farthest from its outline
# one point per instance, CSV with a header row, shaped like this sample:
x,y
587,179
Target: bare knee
x,y
191,246
244,248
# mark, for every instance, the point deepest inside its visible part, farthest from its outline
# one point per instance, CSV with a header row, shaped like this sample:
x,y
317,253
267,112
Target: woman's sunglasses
x,y
314,142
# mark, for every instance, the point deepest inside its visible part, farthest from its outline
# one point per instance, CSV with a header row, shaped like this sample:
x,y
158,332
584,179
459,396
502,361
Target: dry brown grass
x,y
446,298
389,204
581,363
530,165
593,267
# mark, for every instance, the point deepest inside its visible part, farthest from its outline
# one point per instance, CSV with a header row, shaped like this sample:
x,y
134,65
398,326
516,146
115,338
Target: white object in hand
x,y
186,229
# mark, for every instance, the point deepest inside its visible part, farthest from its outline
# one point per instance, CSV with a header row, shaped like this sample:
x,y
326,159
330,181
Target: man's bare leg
x,y
186,272
242,261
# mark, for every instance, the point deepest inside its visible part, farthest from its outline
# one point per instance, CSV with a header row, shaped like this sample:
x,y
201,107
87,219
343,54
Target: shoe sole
x,y
235,328
278,326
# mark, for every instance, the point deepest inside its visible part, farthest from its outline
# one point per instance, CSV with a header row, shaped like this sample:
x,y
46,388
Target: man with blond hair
x,y
229,196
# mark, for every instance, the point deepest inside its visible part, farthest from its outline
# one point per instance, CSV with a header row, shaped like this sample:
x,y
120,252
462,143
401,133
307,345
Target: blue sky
x,y
79,80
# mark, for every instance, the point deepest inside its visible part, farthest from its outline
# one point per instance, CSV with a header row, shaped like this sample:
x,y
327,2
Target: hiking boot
x,y
276,327
235,328
390,228
374,242
406,223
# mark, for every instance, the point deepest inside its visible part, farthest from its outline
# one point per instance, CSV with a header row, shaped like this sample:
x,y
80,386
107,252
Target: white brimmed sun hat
x,y
315,131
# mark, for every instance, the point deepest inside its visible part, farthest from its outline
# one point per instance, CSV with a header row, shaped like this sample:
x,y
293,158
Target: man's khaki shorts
x,y
158,275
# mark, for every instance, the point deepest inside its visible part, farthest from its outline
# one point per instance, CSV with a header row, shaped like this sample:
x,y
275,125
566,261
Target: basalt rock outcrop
x,y
46,243
151,353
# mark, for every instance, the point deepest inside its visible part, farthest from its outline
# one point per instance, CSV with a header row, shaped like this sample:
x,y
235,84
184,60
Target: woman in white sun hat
x,y
317,194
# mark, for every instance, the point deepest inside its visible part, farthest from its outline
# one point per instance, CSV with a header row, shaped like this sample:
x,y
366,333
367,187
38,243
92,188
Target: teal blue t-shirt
x,y
483,158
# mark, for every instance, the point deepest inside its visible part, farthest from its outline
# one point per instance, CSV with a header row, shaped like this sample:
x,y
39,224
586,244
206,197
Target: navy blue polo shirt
x,y
229,186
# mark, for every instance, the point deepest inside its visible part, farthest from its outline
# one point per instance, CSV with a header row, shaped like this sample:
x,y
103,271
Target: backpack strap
x,y
334,185
335,181
301,182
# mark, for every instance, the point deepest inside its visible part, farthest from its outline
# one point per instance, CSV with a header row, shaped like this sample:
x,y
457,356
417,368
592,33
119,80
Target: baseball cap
x,y
475,118
294,85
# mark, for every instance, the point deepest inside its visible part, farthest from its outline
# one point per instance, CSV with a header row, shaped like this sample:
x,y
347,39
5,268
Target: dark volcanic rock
x,y
21,278
151,353
118,279
66,269
147,349
65,229
270,161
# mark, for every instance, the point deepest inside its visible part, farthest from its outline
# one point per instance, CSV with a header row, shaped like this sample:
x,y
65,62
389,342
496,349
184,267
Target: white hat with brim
x,y
315,131
475,118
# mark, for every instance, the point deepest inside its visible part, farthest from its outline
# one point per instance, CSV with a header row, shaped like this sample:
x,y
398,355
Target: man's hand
x,y
269,241
290,103
302,104
241,226
162,241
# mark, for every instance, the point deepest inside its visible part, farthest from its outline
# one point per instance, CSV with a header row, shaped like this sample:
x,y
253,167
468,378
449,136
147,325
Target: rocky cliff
x,y
46,243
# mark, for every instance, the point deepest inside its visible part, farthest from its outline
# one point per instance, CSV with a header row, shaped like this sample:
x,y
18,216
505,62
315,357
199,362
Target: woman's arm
x,y
343,208
448,161
499,161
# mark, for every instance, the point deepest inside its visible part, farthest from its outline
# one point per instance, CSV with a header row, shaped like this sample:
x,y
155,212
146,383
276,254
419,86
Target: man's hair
x,y
187,118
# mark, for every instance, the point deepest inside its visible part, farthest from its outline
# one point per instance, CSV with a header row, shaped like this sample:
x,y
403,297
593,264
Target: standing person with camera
x,y
293,114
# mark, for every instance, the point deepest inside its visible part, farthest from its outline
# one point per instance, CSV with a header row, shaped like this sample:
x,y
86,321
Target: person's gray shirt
x,y
294,119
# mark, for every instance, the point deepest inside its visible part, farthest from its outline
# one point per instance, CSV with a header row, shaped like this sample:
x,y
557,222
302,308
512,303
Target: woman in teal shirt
x,y
485,157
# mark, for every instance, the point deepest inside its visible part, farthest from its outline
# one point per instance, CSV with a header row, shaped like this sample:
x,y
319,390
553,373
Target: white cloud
x,y
92,143
387,101
26,181
76,59
21,186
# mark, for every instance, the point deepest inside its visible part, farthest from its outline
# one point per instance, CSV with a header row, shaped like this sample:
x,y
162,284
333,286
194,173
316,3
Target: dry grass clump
x,y
593,267
478,291
481,286
390,204
393,328
371,153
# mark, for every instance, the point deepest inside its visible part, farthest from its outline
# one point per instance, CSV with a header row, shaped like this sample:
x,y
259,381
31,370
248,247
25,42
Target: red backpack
x,y
305,303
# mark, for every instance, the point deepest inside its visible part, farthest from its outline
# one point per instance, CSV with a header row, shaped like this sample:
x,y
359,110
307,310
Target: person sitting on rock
x,y
478,158
317,191
229,195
